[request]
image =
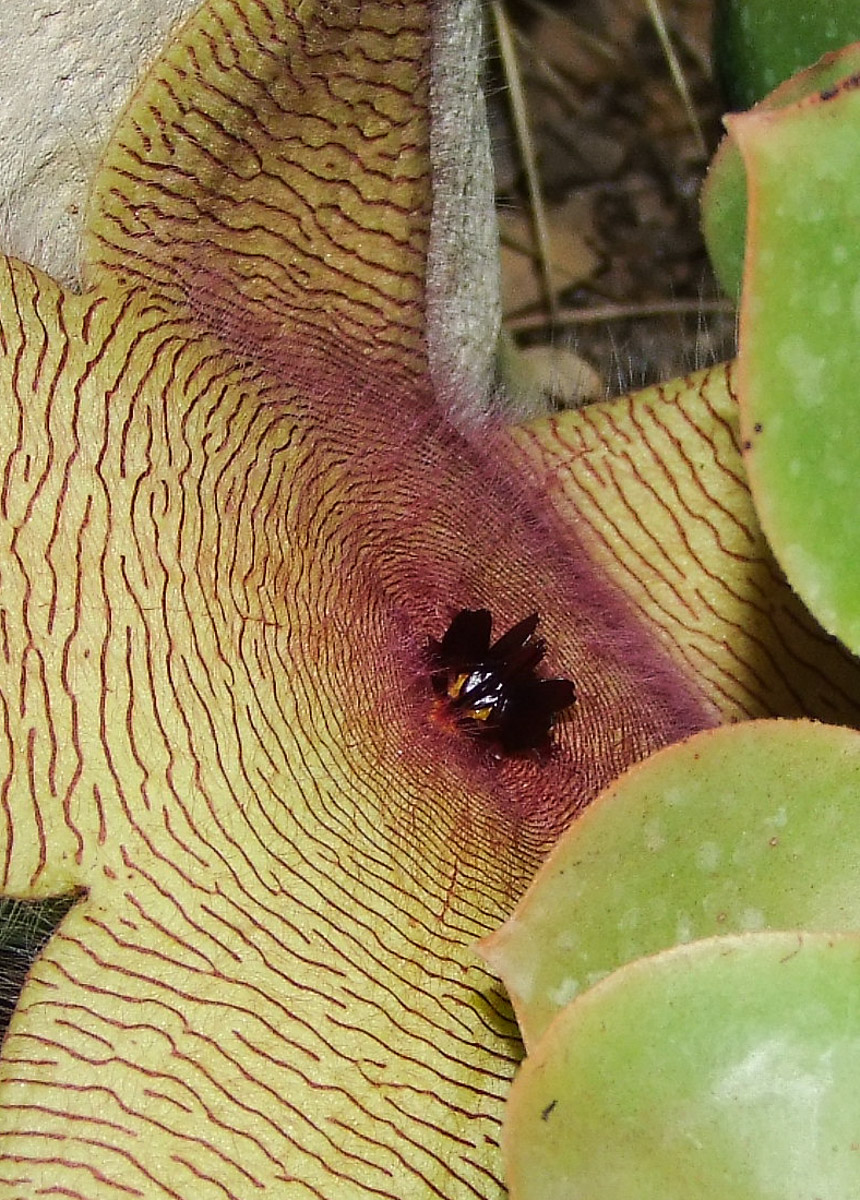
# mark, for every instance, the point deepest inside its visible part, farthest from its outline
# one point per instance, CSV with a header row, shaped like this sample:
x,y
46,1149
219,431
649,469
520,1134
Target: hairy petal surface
x,y
656,483
234,511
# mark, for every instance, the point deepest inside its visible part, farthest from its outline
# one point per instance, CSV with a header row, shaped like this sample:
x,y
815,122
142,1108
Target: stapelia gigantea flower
x,y
241,496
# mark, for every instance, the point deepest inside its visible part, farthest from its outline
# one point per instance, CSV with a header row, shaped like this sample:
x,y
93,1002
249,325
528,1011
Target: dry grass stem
x,y
519,117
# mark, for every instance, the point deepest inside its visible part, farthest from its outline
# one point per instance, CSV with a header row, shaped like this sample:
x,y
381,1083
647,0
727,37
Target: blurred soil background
x,y
620,154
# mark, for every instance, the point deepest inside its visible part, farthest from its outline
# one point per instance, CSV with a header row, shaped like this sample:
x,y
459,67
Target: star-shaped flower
x,y
236,509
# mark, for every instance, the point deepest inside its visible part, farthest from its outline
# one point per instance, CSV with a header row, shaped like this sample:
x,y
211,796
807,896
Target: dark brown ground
x,y
620,168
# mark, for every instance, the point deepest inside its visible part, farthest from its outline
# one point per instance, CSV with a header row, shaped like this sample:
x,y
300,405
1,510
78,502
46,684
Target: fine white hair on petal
x,y
463,287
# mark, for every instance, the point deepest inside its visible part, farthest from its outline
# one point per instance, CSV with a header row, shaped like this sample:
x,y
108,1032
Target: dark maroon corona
x,y
493,691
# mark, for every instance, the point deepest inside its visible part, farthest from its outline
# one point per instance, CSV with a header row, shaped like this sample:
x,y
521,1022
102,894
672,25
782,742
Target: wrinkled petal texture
x,y
233,515
660,493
